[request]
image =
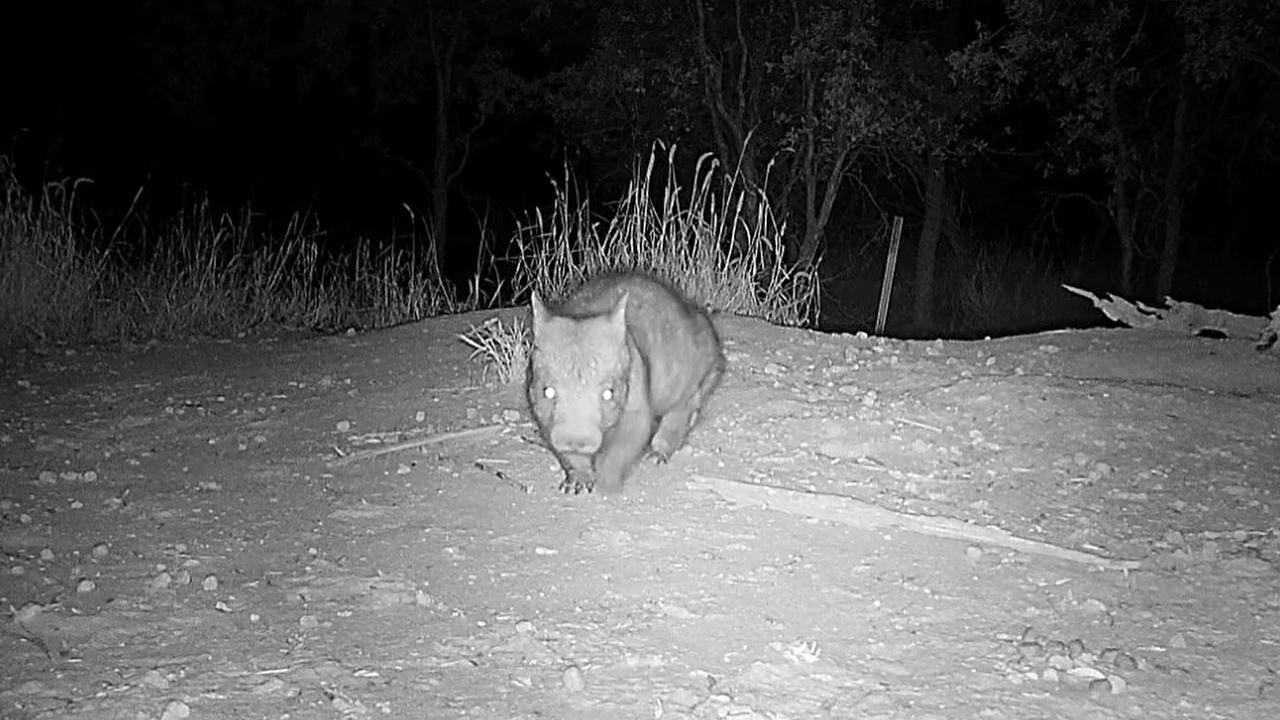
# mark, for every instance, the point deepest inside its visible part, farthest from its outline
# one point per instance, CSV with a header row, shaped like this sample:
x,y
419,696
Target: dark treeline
x,y
1125,145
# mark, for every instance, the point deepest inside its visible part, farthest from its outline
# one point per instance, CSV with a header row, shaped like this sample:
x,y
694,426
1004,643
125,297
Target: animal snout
x,y
585,441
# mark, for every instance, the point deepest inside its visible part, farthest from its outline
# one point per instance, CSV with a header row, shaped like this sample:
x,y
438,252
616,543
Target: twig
x,y
416,442
848,511
522,487
920,425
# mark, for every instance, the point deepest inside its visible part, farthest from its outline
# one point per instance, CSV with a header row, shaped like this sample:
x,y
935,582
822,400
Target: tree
x,y
1121,80
445,57
801,85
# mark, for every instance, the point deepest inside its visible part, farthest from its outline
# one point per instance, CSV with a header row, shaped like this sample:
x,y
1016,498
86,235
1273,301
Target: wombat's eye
x,y
549,392
607,394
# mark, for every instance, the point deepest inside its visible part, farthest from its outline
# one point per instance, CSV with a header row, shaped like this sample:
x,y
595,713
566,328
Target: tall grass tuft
x,y
63,280
719,244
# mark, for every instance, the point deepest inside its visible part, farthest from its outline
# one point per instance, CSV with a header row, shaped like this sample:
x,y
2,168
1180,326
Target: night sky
x,y
335,107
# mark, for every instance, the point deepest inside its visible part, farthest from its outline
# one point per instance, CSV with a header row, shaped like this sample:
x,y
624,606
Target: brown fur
x,y
624,364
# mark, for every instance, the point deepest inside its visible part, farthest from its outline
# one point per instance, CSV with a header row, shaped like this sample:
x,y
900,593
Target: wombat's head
x,y
578,373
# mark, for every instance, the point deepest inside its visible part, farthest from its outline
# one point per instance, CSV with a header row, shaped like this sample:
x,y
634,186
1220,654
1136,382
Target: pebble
x,y
1124,662
1075,648
153,679
573,679
1030,650
176,710
1060,662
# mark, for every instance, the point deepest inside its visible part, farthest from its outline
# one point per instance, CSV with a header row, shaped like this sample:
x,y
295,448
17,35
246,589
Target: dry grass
x,y
687,238
63,279
502,347
701,239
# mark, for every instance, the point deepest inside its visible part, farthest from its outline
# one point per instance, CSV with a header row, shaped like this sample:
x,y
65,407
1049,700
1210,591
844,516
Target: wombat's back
x,y
675,337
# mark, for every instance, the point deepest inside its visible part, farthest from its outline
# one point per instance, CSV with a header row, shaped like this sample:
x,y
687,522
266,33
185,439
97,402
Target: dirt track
x,y
177,540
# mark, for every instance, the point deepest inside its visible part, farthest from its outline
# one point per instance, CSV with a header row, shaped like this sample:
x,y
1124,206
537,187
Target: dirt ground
x,y
188,532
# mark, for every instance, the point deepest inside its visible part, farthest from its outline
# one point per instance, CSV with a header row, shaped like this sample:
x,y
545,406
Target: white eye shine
x,y
549,392
607,393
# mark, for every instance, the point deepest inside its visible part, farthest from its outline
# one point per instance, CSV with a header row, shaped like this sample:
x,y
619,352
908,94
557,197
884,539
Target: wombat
x,y
623,364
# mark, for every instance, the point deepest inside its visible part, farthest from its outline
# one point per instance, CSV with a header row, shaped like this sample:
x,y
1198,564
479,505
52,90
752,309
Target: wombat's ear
x,y
539,312
619,315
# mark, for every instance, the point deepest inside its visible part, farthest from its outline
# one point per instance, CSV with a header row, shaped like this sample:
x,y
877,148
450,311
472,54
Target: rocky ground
x,y
1080,524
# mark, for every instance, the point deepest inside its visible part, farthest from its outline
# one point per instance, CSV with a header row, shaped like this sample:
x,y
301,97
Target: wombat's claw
x,y
575,486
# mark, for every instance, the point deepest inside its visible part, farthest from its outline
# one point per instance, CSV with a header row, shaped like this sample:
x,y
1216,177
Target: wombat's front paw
x,y
576,483
660,452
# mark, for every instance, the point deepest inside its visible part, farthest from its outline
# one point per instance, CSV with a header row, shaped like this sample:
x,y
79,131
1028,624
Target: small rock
x,y
1085,673
573,679
1100,688
210,583
176,710
1060,662
308,622
86,586
101,550
153,679
1124,662
1178,641
1075,648
1094,605
1030,650
683,699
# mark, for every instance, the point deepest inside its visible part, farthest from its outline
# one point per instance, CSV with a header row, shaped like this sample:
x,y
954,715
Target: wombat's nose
x,y
582,442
